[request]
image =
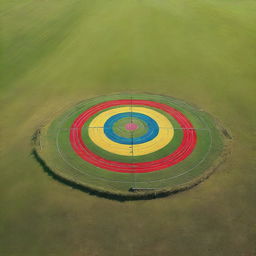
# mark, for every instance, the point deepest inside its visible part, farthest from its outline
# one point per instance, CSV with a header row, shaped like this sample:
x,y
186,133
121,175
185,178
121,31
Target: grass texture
x,y
55,53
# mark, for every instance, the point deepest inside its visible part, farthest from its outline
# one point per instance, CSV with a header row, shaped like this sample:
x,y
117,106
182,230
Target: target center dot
x,y
131,126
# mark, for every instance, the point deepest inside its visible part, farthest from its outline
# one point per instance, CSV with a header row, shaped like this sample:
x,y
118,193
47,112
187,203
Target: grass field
x,y
55,53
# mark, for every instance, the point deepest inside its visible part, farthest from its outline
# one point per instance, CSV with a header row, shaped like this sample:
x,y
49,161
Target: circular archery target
x,y
123,141
151,138
159,132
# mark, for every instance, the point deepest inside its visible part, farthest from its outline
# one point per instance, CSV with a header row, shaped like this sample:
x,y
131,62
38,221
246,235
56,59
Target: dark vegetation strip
x,y
134,193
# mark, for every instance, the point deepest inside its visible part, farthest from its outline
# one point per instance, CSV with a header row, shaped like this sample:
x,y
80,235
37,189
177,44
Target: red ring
x,y
184,150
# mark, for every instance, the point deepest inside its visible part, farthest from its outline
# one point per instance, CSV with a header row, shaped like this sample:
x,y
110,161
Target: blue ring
x,y
152,132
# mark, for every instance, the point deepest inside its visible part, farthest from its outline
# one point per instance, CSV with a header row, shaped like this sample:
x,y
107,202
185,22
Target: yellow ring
x,y
97,135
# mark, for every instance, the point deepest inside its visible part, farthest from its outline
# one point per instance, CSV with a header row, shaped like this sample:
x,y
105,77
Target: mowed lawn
x,y
54,53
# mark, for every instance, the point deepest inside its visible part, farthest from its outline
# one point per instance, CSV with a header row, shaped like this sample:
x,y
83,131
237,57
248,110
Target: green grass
x,y
55,53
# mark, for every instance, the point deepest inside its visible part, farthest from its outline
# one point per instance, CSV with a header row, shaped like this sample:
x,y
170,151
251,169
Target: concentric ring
x,y
183,151
152,126
188,146
98,136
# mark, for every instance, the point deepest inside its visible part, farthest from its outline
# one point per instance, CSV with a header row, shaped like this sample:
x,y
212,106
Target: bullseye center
x,y
131,126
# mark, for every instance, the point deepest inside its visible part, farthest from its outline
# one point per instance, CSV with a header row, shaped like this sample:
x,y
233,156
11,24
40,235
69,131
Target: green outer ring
x,y
175,177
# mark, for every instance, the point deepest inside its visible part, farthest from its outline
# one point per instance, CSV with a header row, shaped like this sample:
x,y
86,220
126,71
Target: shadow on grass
x,y
94,192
